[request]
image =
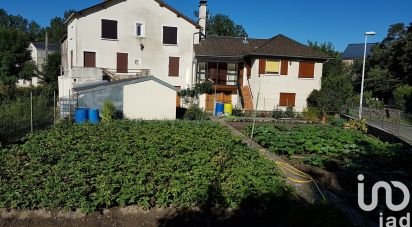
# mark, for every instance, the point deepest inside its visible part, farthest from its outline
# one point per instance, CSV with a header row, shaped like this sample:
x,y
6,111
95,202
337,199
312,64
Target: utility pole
x,y
46,46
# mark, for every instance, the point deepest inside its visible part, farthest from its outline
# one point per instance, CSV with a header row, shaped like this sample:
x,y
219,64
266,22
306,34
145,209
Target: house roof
x,y
89,88
278,46
356,50
107,3
42,46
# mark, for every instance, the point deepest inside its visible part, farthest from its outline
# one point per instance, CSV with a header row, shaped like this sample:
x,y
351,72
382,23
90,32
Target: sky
x,y
338,22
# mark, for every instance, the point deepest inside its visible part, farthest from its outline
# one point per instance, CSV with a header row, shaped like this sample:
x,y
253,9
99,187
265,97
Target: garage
x,y
146,98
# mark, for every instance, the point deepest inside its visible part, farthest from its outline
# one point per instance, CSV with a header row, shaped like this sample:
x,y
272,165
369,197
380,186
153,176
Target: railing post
x,y
31,111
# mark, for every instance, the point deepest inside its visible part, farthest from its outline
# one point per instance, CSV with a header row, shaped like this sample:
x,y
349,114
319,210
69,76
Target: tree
x,y
57,28
337,86
51,69
13,54
222,25
390,64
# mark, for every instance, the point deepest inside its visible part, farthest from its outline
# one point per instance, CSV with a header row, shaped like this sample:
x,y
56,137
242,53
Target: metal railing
x,y
394,121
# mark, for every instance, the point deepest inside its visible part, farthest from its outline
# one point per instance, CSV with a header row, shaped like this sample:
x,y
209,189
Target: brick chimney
x,y
203,15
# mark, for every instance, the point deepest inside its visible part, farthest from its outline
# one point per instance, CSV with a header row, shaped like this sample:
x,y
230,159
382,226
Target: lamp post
x,y
363,71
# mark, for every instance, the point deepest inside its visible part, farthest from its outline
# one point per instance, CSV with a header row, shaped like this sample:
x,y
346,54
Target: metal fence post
x,y
54,107
31,111
70,107
399,123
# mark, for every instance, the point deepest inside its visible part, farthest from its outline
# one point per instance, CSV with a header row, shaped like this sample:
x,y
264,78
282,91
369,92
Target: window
x,y
306,70
170,35
287,99
201,71
231,74
140,30
174,66
89,59
272,67
109,29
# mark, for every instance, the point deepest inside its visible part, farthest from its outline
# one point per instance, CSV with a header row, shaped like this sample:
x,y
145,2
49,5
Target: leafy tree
x,y
222,25
57,28
51,69
336,87
13,54
403,98
390,64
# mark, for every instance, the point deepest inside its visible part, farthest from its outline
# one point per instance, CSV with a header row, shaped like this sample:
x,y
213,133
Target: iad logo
x,y
390,221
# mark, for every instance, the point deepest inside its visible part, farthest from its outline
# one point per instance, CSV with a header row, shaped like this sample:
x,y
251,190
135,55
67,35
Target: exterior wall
x,y
149,101
270,86
64,55
84,34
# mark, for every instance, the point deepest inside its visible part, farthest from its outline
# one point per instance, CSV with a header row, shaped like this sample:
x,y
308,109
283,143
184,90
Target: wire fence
x,y
394,121
26,114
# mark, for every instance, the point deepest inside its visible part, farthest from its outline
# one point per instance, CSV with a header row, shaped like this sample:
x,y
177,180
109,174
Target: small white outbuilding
x,y
146,98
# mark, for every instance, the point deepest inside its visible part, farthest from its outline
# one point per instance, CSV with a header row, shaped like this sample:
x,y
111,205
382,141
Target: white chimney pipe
x,y
203,15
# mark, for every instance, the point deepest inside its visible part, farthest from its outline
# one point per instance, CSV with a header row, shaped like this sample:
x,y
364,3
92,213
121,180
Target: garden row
x,y
149,164
322,141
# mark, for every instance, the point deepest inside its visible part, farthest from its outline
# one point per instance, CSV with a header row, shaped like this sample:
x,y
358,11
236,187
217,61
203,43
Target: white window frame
x,y
142,29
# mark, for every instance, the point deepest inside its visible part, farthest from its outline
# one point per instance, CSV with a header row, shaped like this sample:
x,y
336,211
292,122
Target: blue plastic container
x,y
220,108
94,117
81,115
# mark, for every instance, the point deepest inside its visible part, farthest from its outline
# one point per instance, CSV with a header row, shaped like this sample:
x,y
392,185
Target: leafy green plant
x,y
237,112
338,122
290,112
108,111
122,163
278,113
311,113
194,113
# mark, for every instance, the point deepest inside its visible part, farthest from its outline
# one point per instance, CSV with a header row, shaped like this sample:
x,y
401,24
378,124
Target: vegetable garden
x,y
149,164
322,142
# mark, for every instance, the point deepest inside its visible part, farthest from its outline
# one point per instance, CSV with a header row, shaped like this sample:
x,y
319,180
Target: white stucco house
x,y
38,55
126,39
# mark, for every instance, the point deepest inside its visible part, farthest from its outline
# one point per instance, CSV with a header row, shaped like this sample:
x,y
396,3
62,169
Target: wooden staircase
x,y
247,98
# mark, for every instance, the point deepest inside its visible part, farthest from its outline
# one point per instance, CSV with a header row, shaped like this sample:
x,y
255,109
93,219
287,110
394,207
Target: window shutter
x,y
262,66
122,63
109,29
287,99
284,67
174,66
89,59
306,70
169,35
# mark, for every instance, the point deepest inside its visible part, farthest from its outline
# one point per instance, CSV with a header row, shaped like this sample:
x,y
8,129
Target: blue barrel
x,y
220,108
94,116
81,115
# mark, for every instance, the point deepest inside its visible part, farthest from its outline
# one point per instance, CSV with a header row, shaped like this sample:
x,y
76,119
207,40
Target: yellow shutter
x,y
272,67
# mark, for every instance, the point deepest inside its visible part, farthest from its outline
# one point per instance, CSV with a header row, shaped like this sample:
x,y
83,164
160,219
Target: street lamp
x,y
363,71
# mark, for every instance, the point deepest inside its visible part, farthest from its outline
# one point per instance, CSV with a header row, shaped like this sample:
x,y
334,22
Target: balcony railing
x,y
97,73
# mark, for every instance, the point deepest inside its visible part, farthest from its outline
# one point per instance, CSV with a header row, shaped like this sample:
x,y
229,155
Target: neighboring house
x,y
120,39
354,52
280,72
38,55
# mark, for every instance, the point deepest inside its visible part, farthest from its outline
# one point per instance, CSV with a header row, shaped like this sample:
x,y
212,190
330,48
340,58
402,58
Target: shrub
x,y
108,111
237,112
338,122
403,98
277,113
311,113
194,113
290,113
356,124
